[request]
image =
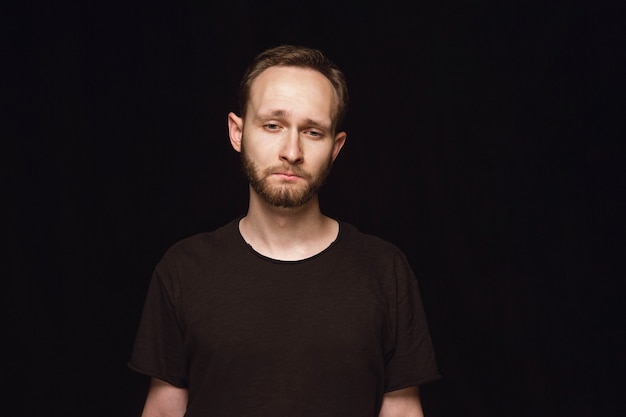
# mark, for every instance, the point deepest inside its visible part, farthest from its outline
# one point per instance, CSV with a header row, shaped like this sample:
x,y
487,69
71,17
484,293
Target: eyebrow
x,y
272,113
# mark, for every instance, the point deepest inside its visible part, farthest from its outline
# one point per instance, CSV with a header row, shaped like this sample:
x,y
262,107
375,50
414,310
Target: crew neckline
x,y
280,261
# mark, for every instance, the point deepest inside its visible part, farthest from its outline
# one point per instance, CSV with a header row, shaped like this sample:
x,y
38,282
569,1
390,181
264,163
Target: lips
x,y
287,175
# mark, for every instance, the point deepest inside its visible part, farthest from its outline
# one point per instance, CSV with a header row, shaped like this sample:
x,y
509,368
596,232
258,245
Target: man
x,y
285,311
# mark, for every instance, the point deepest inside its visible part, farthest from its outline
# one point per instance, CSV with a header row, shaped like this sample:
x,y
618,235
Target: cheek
x,y
321,153
259,153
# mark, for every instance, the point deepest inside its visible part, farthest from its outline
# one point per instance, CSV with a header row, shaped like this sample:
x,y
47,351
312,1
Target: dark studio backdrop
x,y
485,139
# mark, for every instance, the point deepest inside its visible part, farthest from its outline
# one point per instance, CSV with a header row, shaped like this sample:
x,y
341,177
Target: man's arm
x,y
402,403
165,400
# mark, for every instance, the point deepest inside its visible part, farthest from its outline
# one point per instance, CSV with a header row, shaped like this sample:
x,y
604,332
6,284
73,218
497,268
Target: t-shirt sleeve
x,y
413,359
159,346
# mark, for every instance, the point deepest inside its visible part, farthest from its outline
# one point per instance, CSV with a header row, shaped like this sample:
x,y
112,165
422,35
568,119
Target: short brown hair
x,y
296,56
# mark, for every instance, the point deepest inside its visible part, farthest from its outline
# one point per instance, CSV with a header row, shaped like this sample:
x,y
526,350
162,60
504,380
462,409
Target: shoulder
x,y
353,237
370,256
368,248
204,245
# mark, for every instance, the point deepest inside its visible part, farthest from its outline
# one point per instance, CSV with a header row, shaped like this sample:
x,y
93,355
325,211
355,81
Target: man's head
x,y
287,134
296,56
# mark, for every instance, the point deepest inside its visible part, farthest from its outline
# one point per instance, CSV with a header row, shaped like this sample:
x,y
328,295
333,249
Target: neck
x,y
287,233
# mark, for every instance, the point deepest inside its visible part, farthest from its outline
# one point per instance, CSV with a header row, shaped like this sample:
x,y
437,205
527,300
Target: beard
x,y
283,195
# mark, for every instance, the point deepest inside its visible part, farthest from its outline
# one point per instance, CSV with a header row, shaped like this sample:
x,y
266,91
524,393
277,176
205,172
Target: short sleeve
x,y
159,345
413,359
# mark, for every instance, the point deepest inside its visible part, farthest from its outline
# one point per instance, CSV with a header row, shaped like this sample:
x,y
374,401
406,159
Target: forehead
x,y
293,89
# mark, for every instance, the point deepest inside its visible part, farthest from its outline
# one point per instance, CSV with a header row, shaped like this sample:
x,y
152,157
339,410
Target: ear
x,y
235,130
340,139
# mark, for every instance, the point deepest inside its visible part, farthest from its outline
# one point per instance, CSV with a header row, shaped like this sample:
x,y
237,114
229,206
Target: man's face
x,y
287,142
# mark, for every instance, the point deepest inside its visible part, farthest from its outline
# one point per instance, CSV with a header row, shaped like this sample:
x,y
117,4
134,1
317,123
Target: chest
x,y
279,313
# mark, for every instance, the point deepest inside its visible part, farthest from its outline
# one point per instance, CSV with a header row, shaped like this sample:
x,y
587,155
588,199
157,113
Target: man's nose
x,y
291,151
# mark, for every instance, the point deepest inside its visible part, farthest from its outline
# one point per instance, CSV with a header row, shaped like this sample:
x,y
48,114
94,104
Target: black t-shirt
x,y
253,336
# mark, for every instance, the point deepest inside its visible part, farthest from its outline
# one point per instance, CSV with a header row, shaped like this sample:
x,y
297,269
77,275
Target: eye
x,y
314,134
271,126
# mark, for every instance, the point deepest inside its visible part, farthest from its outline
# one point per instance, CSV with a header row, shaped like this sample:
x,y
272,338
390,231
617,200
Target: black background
x,y
485,139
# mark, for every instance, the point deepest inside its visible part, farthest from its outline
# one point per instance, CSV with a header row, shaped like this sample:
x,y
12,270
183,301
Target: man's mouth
x,y
287,175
